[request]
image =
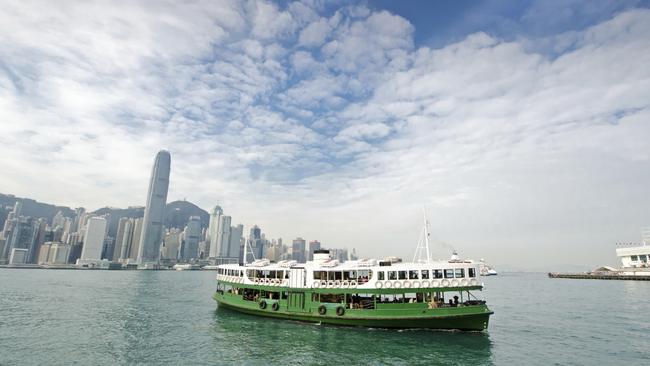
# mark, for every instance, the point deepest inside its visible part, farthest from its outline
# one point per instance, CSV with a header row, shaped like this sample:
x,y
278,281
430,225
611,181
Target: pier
x,y
600,276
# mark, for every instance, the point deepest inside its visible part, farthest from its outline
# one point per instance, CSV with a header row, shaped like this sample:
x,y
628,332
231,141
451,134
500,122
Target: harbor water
x,y
64,317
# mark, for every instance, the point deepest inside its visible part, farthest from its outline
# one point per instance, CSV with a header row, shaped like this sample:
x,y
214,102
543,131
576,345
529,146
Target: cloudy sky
x,y
522,127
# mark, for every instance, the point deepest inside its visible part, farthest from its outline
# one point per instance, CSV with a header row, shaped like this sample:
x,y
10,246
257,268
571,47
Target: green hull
x,y
405,315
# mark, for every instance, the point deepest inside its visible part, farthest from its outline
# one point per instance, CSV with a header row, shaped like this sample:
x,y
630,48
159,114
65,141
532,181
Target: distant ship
x,y
485,270
368,292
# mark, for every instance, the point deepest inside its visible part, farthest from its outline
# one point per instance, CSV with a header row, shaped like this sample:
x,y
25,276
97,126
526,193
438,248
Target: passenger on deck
x,y
455,300
451,303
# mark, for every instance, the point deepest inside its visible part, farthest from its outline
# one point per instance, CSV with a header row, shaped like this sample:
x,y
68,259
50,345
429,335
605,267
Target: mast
x,y
422,250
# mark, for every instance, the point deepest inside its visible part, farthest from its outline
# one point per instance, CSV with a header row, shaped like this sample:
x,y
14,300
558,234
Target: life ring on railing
x,y
407,284
426,283
323,284
464,282
345,284
379,284
316,284
388,284
262,304
454,283
397,284
330,284
322,310
353,284
473,282
340,311
435,283
275,306
256,281
444,283
416,284
337,283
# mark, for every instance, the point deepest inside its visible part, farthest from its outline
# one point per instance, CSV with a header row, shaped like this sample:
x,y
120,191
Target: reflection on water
x,y
281,341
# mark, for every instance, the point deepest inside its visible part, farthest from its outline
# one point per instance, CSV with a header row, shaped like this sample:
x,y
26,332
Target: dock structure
x,y
599,276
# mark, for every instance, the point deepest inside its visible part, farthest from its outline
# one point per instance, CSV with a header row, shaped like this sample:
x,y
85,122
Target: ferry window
x,y
353,275
401,275
634,258
320,275
286,274
471,272
425,274
460,272
338,276
643,258
250,273
346,276
413,275
380,276
370,274
392,275
330,275
437,273
449,273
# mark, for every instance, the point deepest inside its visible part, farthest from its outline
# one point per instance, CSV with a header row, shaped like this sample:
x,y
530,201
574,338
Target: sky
x,y
523,127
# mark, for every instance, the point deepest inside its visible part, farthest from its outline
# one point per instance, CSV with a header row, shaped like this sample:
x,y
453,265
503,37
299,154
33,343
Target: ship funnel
x,y
321,255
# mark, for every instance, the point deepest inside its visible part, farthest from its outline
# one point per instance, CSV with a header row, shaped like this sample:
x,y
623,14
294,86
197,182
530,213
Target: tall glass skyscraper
x,y
154,212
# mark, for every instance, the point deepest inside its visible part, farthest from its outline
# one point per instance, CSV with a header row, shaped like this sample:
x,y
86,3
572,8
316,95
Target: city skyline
x,y
523,132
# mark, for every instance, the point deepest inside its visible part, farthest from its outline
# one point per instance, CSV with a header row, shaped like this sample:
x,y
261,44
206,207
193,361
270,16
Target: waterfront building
x,y
93,243
298,250
223,236
24,236
154,213
213,231
137,234
122,224
18,256
171,245
255,244
191,238
236,233
313,245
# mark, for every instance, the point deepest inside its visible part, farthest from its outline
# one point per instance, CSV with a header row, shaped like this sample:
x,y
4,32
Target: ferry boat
x,y
368,292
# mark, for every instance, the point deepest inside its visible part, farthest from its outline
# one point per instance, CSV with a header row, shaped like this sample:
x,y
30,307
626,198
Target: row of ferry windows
x,y
425,274
230,272
360,276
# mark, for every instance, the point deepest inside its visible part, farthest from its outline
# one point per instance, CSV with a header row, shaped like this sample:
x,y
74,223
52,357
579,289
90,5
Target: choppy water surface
x,y
163,317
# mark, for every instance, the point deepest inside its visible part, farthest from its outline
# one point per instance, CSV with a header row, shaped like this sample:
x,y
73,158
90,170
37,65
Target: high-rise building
x,y
122,225
154,212
213,231
298,250
171,245
313,245
255,244
223,236
191,238
234,243
135,242
96,228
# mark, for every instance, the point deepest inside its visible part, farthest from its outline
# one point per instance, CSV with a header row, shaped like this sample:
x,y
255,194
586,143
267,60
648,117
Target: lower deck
x,y
412,308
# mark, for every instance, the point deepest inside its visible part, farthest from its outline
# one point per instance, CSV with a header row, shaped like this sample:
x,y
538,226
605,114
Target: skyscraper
x,y
192,236
313,245
298,250
94,240
213,231
236,233
223,236
154,212
255,244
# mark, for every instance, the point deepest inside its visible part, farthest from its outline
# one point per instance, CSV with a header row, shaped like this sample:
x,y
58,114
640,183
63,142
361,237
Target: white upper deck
x,y
324,272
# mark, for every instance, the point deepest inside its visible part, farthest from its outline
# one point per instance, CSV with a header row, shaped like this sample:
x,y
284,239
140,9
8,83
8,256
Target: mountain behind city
x,y
177,213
